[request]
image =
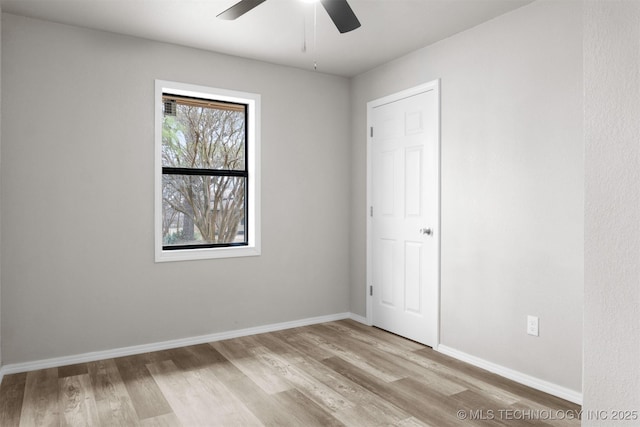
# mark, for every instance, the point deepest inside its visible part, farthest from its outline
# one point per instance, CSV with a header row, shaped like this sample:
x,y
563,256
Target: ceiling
x,y
278,31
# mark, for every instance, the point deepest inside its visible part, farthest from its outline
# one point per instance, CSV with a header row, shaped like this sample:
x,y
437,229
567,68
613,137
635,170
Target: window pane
x,y
203,137
199,209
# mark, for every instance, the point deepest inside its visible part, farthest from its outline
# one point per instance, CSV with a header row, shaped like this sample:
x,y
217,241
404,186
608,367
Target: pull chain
x,y
315,35
304,34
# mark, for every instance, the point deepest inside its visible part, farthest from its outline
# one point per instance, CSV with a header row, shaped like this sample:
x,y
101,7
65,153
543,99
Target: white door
x,y
404,213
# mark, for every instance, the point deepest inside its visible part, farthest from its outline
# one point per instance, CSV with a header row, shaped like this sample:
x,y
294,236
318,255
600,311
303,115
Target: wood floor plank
x,y
393,359
400,351
240,355
189,409
381,359
488,412
332,374
365,409
558,417
360,397
365,415
412,422
466,401
345,354
447,368
334,381
115,407
198,398
307,346
147,399
196,357
11,396
40,404
316,391
278,345
376,338
304,411
373,335
166,420
72,370
268,409
77,401
529,393
424,406
231,409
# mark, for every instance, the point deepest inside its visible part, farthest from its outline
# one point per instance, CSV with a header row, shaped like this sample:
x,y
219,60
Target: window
x,y
207,172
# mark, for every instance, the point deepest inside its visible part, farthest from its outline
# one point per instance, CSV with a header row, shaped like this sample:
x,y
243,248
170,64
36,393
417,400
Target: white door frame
x,y
433,85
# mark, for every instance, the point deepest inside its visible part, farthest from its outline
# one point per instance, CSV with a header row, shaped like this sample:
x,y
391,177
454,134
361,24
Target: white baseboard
x,y
359,319
528,380
55,362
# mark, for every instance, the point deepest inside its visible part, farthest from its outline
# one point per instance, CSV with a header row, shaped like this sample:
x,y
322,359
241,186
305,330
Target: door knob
x,y
426,231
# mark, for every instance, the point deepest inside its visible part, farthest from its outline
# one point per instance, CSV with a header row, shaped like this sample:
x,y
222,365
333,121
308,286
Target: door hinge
x,y
371,290
371,131
371,211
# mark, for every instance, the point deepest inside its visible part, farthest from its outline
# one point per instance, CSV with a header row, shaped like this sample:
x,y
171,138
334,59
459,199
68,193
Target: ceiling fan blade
x,y
239,9
341,14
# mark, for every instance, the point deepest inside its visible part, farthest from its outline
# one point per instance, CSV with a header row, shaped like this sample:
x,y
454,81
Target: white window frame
x,y
252,101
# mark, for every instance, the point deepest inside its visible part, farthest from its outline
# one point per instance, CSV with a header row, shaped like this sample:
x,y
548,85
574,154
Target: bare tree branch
x,y
200,137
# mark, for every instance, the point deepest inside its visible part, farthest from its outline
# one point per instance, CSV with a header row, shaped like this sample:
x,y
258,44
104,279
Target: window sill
x,y
206,253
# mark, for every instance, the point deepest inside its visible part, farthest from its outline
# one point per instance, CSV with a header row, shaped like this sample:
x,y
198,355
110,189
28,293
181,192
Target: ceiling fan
x,y
339,11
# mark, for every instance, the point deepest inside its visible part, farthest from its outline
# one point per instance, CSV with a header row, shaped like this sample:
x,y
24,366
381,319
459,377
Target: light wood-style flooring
x,y
332,374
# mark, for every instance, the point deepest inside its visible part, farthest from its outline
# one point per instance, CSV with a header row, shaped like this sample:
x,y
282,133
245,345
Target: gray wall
x,y
0,185
512,186
612,210
78,271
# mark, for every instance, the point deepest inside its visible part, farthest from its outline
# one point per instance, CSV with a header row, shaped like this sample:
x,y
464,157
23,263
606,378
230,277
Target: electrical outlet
x,y
532,325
